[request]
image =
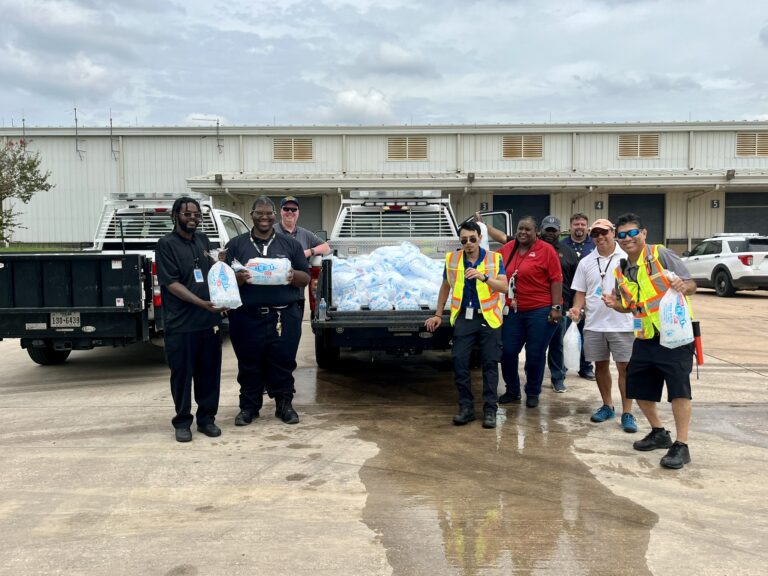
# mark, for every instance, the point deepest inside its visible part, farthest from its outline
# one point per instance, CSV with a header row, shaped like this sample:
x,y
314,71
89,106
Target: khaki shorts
x,y
600,346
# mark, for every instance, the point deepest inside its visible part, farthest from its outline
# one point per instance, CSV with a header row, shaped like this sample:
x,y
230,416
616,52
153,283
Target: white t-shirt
x,y
594,276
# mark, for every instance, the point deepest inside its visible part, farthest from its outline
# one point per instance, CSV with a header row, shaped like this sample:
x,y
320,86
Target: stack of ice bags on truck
x,y
390,277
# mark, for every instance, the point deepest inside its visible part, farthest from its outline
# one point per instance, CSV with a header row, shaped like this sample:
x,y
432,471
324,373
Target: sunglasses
x,y
190,215
631,233
262,214
289,209
471,239
599,232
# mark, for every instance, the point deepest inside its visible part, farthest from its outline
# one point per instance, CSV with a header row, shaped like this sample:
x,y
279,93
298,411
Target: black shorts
x,y
652,365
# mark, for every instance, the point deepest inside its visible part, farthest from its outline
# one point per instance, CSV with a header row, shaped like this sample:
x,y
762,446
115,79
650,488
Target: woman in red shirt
x,y
534,309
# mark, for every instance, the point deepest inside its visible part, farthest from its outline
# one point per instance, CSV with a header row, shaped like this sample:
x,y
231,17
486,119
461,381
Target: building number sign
x,y
599,205
715,204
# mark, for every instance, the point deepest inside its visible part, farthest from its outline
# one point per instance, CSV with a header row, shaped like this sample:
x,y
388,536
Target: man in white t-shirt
x,y
606,332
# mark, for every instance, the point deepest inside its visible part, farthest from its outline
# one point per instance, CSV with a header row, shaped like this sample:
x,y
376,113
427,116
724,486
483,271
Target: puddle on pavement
x,y
465,500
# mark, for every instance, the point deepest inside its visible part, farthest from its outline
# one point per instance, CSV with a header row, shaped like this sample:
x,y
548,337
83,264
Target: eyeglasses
x,y
289,209
192,215
599,232
631,233
471,239
262,214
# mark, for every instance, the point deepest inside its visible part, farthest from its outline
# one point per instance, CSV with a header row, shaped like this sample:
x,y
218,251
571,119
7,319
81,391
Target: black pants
x,y
194,356
265,358
465,334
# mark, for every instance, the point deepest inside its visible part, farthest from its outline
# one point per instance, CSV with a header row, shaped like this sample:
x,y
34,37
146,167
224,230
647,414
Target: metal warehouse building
x,y
687,180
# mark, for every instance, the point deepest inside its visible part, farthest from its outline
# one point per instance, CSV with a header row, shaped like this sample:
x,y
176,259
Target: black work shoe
x,y
656,438
210,430
508,398
489,418
245,417
531,401
183,435
465,416
285,411
587,375
677,457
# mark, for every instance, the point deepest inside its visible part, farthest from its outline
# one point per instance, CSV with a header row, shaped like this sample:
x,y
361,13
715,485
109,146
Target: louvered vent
x,y
752,144
638,146
147,226
292,149
519,146
407,148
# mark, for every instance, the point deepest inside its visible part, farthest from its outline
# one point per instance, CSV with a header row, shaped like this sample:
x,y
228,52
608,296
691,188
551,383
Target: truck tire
x,y
48,356
723,284
326,355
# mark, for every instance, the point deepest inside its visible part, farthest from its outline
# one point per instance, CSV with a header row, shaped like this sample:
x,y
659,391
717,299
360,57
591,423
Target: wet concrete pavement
x,y
375,479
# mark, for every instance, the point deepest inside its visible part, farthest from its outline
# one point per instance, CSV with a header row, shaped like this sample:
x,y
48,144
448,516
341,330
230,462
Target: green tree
x,y
20,179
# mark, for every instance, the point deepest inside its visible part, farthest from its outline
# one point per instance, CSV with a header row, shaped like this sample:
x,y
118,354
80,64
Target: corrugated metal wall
x,y
162,161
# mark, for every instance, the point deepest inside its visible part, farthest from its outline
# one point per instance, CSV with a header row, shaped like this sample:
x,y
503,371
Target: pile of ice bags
x,y
390,277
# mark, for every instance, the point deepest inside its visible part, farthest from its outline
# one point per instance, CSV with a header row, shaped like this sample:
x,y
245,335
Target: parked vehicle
x,y
107,295
729,262
366,221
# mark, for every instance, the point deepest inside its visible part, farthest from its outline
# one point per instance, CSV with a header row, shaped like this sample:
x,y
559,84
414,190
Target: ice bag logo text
x,y
262,268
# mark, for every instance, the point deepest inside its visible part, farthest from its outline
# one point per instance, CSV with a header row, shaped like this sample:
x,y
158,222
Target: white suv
x,y
730,262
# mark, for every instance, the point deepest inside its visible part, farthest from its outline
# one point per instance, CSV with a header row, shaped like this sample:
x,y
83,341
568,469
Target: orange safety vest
x,y
491,302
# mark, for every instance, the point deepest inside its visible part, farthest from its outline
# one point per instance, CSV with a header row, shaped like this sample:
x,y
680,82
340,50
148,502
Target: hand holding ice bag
x,y
675,318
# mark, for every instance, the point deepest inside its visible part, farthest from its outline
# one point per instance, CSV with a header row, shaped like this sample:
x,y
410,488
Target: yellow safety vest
x,y
644,296
491,302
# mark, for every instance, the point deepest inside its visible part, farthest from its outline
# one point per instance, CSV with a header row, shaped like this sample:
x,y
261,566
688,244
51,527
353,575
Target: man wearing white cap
x,y
606,332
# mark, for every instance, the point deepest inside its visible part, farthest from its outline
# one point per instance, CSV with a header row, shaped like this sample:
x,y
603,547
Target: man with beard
x,y
191,321
475,282
265,331
581,243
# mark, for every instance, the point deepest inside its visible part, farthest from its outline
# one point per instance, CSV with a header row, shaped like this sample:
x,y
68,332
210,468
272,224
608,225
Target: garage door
x,y
536,205
650,208
310,213
746,212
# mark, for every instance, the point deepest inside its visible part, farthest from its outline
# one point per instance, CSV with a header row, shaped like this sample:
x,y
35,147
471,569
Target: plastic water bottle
x,y
322,310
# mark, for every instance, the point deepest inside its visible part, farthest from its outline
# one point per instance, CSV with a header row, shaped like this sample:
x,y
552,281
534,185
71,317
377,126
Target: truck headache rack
x,y
395,221
143,224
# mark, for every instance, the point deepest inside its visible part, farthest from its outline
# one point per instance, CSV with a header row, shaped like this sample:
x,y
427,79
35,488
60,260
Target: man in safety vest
x,y
475,282
641,284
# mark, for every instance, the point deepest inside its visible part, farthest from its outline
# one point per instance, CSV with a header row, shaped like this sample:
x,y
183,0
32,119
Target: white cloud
x,y
353,107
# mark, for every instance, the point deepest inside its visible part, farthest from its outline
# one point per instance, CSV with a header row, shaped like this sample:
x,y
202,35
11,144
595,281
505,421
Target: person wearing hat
x,y
569,260
310,242
606,332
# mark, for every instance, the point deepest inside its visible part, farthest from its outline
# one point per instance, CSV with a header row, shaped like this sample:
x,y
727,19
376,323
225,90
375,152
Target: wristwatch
x,y
311,251
485,277
557,307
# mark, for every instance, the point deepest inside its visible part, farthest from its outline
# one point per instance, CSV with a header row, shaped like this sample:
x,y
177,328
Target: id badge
x,y
469,313
506,310
199,276
638,324
598,292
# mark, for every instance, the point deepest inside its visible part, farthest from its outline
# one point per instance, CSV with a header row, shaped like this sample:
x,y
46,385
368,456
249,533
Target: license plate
x,y
65,319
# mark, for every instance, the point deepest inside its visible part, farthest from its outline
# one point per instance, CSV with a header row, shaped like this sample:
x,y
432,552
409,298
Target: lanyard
x,y
263,251
196,258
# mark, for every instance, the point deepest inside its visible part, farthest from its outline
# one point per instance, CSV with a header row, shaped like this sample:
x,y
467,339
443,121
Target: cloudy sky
x,y
296,62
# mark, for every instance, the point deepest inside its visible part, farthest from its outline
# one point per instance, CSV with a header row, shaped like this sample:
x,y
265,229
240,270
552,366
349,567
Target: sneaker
x,y
656,438
677,457
509,398
489,418
559,387
628,422
603,413
587,375
465,416
183,435
531,401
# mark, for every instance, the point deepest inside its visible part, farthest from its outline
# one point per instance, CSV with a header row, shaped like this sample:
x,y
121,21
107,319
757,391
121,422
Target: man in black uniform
x,y
192,338
569,260
266,329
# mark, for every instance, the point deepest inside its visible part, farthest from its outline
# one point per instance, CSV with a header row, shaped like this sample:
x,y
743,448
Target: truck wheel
x,y
48,356
723,284
326,355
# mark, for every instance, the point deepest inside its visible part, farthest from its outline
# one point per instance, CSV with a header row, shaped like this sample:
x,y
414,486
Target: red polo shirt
x,y
536,272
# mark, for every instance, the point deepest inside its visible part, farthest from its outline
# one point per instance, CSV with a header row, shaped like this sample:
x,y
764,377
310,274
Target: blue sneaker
x,y
603,413
628,422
